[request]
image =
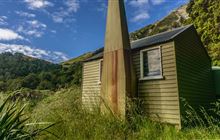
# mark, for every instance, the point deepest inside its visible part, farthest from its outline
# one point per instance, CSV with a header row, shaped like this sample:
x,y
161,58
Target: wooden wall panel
x,y
194,70
160,97
91,85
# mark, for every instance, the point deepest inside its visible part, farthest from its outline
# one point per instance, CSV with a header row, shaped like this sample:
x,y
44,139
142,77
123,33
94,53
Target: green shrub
x,y
13,123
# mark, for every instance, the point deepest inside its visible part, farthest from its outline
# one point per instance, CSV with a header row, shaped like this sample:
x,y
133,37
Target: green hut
x,y
169,66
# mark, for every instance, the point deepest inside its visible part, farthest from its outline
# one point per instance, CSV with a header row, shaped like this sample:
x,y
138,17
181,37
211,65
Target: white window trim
x,y
100,66
142,67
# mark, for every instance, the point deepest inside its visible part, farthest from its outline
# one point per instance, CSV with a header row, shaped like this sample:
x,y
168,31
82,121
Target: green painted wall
x,y
194,71
216,74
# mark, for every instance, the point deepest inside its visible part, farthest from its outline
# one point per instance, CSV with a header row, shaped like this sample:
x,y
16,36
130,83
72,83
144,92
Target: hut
x,y
169,67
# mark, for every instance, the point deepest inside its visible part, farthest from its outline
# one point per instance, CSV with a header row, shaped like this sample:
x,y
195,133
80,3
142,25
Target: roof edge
x,y
184,29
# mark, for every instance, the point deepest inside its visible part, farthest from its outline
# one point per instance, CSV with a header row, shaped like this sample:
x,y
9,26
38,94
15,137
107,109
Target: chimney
x,y
118,77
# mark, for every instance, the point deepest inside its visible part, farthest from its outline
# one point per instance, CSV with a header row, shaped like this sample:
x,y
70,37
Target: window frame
x,y
100,70
142,77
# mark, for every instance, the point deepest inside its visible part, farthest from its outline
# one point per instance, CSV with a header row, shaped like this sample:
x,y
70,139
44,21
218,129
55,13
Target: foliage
x,y
13,123
31,81
214,52
18,71
202,118
16,65
76,123
205,15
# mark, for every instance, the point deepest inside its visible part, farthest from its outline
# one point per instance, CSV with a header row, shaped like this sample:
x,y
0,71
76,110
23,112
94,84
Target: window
x,y
100,70
151,67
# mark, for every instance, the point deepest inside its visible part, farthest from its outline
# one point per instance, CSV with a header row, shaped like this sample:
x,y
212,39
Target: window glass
x,y
151,63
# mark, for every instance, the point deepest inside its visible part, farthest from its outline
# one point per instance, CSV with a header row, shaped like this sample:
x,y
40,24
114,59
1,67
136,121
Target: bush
x,y
13,123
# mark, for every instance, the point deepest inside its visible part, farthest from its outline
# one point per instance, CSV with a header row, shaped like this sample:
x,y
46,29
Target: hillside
x,y
176,18
18,71
18,65
77,59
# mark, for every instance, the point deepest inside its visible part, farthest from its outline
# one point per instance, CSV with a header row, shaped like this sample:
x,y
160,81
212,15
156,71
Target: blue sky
x,y
57,30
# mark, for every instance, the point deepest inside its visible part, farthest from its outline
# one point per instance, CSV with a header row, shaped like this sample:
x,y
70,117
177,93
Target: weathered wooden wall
x,y
194,70
118,77
160,97
91,84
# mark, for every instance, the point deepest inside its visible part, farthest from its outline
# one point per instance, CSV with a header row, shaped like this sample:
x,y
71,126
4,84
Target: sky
x,y
58,30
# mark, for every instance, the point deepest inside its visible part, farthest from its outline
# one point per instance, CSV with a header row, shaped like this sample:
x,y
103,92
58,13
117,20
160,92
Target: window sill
x,y
152,78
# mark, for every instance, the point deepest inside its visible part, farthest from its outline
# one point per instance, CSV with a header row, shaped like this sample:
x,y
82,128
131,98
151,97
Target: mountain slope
x,y
176,18
18,71
18,65
77,59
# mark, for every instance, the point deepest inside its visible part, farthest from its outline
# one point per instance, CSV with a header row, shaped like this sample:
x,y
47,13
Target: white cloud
x,y
102,7
35,33
32,28
73,5
140,16
37,24
59,17
142,8
25,14
138,3
141,12
7,34
53,31
65,14
52,56
3,20
38,4
157,2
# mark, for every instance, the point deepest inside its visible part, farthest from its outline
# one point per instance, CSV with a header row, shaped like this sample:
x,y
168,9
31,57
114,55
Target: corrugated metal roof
x,y
96,56
147,41
158,38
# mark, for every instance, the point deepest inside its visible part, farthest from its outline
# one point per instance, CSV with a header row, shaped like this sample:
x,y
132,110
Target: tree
x,y
205,15
3,86
46,85
31,81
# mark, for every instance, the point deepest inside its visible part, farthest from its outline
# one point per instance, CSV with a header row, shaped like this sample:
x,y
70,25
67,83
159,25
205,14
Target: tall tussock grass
x,y
74,122
202,117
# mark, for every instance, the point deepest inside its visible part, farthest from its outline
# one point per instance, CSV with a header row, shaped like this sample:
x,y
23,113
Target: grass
x,y
64,107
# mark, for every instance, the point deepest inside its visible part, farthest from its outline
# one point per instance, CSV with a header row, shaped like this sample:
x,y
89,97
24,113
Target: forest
x,y
19,71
